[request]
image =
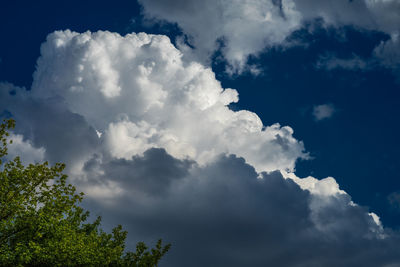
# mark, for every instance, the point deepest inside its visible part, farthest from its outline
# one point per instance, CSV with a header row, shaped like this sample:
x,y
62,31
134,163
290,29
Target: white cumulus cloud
x,y
161,100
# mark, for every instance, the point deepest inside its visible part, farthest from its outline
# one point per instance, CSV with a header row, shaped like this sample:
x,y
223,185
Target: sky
x,y
256,132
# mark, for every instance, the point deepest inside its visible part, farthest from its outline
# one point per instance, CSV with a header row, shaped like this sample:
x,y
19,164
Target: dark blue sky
x,y
358,145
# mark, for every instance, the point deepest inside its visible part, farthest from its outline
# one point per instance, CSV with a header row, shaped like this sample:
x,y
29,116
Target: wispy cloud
x,y
324,111
249,27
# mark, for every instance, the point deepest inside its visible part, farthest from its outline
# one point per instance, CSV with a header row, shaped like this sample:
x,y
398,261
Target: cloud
x,y
48,125
388,55
249,27
244,27
368,14
224,214
134,173
156,148
25,150
323,111
154,99
331,62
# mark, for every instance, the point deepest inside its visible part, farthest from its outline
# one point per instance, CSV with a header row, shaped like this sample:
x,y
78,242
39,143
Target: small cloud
x,y
324,111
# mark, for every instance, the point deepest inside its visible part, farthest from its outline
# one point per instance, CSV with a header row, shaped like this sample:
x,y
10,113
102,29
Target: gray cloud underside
x,y
222,214
50,125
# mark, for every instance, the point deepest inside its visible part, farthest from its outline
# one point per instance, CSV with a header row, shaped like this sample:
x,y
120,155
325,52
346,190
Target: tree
x,y
41,223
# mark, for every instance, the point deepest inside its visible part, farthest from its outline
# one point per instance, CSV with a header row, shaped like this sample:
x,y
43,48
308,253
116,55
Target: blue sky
x,y
329,74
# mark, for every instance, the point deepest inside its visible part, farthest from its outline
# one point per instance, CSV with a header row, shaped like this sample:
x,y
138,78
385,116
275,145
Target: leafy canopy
x,y
41,223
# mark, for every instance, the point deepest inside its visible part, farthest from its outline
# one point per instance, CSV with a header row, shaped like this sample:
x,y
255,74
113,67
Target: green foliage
x,y
41,223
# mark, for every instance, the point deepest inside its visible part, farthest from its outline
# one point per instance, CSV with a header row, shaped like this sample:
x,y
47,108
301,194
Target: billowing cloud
x,y
249,27
155,146
154,99
224,214
324,111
